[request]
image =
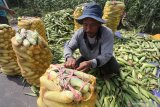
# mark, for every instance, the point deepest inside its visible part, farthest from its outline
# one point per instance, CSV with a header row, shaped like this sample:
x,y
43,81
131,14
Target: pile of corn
x,y
138,76
112,13
64,87
32,23
77,12
33,55
59,28
8,61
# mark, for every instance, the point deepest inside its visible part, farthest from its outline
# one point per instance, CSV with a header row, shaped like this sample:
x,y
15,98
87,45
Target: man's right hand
x,y
70,63
11,12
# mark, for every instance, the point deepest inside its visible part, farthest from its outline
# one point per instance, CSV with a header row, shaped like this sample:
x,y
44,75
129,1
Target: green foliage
x,y
26,12
55,5
40,7
144,14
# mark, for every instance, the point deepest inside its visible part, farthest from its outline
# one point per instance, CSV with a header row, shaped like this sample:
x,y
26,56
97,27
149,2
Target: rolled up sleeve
x,y
71,45
106,50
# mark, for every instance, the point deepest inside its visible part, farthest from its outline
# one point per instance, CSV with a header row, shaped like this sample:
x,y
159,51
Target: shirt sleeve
x,y
93,63
106,49
71,45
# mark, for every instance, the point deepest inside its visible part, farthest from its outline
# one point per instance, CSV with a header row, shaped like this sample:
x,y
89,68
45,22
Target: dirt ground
x,y
12,91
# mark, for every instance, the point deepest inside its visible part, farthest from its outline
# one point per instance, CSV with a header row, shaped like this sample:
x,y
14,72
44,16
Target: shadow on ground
x,y
12,89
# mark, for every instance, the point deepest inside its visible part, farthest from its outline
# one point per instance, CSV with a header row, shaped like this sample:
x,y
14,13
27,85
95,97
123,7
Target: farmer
x,y
3,13
95,43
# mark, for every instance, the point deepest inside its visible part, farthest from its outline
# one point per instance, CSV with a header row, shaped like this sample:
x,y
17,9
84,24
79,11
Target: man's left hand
x,y
84,66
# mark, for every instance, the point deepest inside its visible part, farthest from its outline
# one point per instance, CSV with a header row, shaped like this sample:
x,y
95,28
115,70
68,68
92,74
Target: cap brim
x,y
80,19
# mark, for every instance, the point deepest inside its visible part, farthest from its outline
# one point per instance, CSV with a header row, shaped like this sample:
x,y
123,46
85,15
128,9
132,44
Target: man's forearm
x,y
3,8
67,52
69,48
102,59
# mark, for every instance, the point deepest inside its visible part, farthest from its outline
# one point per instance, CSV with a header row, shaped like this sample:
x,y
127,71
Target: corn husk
x,y
8,62
112,13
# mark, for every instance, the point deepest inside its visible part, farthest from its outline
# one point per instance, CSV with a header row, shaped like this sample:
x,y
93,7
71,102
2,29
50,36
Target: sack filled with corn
x,y
8,61
77,12
63,87
156,37
112,13
33,55
33,23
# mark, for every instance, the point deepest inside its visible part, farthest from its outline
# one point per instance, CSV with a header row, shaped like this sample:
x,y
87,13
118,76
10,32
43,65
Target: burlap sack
x,y
32,59
8,62
112,13
53,94
33,23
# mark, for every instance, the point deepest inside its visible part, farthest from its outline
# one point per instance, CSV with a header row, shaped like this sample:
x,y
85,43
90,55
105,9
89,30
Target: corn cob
x,y
32,23
8,61
54,91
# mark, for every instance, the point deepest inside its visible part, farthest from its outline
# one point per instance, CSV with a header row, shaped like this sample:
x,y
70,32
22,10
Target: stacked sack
x,y
112,13
62,87
156,36
78,12
32,23
33,55
8,61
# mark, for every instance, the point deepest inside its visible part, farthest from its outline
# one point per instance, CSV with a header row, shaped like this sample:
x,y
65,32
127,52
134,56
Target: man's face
x,y
91,26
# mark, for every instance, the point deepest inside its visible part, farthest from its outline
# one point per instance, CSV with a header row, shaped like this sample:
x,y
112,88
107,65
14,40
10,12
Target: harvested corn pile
x,y
59,27
64,87
112,13
33,55
8,61
32,23
77,12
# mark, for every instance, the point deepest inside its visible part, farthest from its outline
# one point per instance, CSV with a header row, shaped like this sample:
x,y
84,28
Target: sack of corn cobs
x,y
32,23
112,13
63,87
156,36
8,60
78,12
33,55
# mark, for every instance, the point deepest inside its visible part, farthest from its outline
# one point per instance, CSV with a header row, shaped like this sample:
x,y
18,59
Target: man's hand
x,y
84,66
11,12
70,63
